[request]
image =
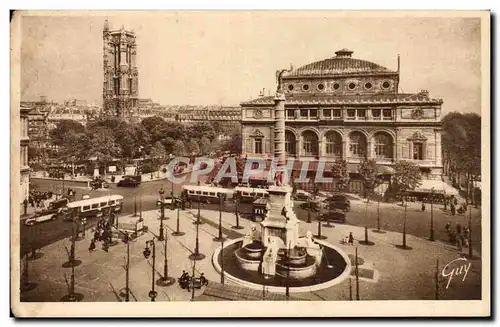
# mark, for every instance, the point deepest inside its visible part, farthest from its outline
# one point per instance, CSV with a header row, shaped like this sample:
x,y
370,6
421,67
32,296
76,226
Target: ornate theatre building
x,y
351,109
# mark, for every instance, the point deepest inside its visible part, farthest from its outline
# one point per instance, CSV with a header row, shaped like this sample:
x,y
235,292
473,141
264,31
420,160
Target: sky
x,y
224,58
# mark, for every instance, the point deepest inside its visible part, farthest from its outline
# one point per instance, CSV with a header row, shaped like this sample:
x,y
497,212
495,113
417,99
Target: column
x,y
369,149
344,149
297,147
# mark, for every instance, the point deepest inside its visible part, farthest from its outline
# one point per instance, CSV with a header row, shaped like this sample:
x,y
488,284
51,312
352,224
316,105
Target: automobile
x,y
128,182
338,201
310,205
167,200
333,215
47,215
56,204
302,195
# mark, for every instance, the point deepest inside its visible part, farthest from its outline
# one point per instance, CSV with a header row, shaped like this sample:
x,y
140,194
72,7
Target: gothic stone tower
x,y
121,82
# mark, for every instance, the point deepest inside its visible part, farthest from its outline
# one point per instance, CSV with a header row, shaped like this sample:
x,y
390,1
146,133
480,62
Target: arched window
x,y
383,145
333,144
357,144
290,143
310,144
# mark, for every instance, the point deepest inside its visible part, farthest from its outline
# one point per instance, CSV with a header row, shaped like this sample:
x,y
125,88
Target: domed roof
x,y
341,64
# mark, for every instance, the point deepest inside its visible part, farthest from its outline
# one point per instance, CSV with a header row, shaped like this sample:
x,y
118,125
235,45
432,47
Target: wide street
x,y
361,214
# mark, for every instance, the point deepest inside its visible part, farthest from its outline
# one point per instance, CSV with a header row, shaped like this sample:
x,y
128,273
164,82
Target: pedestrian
x,y
96,234
455,201
459,229
351,239
92,245
448,226
25,206
452,207
423,206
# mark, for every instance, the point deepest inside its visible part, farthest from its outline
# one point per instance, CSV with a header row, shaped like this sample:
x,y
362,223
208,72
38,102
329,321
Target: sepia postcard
x,y
250,164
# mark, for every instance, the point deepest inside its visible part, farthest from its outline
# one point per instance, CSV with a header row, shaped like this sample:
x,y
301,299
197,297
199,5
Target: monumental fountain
x,y
276,255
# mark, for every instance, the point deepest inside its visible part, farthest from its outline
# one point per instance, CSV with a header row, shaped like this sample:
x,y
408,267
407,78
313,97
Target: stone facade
x,y
345,108
23,164
121,77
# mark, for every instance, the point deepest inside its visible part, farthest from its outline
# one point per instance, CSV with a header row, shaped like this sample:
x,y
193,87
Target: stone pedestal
x,y
280,221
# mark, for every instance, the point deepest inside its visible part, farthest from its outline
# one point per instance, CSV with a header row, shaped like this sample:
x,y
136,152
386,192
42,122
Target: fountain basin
x,y
254,250
300,271
333,269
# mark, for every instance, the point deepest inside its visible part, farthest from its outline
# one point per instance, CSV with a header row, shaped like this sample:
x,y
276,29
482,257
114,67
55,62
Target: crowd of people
x,y
458,235
102,233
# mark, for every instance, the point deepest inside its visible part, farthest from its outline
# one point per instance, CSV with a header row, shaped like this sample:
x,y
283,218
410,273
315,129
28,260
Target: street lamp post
x,y
431,238
404,223
152,294
135,205
319,236
220,238
237,212
198,217
177,231
378,215
140,207
165,280
197,255
222,261
309,211
161,237
470,232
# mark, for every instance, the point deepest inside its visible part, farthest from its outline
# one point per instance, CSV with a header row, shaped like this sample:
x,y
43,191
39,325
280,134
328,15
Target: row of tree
x,y
110,138
406,177
461,142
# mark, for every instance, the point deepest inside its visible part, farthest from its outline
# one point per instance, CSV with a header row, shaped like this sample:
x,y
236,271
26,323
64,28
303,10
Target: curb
x,y
279,289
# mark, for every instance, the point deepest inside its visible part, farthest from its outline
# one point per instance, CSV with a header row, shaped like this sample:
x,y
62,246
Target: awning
x,y
428,186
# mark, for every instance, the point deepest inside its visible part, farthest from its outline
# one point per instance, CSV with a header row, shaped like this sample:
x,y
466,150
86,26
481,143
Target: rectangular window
x,y
258,145
103,204
337,113
313,113
418,151
198,192
376,114
212,194
351,113
111,202
304,113
205,193
85,208
290,113
327,113
95,205
361,113
387,113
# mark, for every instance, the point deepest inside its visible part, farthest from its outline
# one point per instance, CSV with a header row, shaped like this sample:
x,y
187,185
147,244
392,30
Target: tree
x,y
234,144
205,145
158,153
102,145
461,146
63,129
193,147
179,148
168,143
407,177
339,170
369,174
201,129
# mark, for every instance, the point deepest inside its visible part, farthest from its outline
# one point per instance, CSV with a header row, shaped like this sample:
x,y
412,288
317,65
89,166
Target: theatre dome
x,y
342,64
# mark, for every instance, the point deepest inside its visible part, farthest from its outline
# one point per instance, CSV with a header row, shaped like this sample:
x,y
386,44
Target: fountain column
x,y
280,225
